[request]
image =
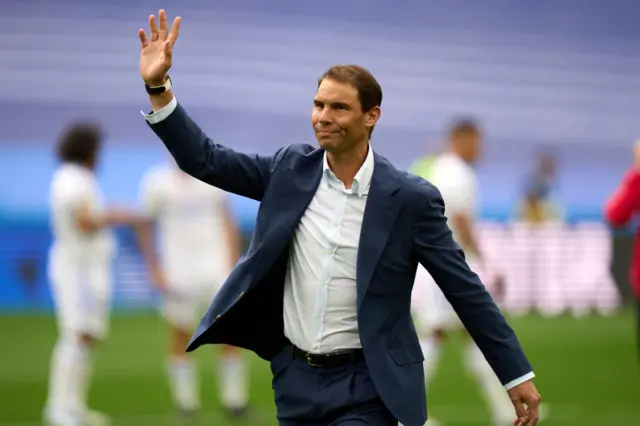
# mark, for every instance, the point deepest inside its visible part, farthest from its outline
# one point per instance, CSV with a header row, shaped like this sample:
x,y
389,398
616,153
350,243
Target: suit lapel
x,y
297,186
380,215
303,179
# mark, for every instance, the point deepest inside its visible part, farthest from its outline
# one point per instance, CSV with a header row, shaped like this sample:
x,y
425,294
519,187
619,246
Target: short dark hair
x,y
79,142
464,126
369,90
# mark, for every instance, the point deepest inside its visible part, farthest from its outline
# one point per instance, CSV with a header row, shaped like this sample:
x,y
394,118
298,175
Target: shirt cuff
x,y
161,114
519,380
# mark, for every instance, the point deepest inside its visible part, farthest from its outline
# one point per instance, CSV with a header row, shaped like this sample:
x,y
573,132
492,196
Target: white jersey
x,y
74,187
458,185
80,263
190,223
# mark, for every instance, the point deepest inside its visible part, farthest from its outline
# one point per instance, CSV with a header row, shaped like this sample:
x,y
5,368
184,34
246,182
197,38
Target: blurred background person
x,y
199,244
452,172
422,165
539,249
80,273
621,208
538,204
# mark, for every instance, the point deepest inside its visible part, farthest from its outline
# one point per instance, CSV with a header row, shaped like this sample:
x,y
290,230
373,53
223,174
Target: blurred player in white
x,y
199,244
79,269
453,174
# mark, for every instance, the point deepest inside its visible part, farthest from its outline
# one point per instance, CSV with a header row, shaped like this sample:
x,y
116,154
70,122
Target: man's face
x,y
337,117
470,144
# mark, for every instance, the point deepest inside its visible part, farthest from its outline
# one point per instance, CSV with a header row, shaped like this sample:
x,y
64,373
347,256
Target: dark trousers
x,y
342,395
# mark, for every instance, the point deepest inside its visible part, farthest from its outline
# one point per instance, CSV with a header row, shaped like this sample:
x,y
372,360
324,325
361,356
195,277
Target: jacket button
x,y
241,294
217,316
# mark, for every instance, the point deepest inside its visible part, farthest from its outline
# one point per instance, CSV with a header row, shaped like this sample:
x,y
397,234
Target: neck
x,y
455,152
345,165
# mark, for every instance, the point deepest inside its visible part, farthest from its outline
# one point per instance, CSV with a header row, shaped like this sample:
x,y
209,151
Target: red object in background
x,y
620,208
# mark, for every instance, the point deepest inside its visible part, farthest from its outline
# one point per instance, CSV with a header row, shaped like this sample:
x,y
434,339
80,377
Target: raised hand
x,y
156,51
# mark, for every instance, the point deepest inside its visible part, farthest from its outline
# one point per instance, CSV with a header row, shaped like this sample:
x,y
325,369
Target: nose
x,y
324,116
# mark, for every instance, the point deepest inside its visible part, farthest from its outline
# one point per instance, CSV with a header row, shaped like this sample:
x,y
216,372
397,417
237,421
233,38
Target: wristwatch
x,y
158,90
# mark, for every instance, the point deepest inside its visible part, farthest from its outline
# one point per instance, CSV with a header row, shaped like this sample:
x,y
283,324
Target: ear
x,y
372,116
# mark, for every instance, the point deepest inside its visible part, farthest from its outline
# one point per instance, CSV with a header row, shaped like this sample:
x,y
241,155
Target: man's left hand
x,y
526,400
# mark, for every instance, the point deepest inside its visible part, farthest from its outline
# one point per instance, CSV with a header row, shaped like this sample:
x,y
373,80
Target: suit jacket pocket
x,y
406,354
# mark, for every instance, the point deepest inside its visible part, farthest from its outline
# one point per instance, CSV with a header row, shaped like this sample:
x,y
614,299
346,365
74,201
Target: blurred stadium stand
x,y
549,74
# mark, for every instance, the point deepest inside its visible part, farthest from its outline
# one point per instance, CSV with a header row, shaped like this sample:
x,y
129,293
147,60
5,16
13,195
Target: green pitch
x,y
587,371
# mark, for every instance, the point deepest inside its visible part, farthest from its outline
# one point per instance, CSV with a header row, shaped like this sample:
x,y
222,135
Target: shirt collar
x,y
362,179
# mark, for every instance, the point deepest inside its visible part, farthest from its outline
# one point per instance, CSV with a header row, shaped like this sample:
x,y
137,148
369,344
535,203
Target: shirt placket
x,y
334,233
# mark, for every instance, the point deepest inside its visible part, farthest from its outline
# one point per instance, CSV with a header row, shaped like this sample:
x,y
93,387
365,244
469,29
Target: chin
x,y
326,144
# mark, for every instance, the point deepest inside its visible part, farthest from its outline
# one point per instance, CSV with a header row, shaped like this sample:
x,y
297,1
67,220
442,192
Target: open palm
x,y
156,51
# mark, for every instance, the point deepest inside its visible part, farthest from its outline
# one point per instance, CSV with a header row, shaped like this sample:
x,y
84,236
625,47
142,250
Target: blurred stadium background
x,y
547,78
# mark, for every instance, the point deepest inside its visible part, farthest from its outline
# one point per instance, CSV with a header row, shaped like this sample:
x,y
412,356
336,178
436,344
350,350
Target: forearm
x,y
144,234
90,222
232,237
467,237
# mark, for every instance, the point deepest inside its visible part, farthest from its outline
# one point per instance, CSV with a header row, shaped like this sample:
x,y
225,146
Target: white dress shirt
x,y
320,313
320,284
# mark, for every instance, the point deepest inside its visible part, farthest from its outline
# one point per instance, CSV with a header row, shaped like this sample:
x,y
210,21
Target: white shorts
x,y
437,313
81,293
432,311
183,306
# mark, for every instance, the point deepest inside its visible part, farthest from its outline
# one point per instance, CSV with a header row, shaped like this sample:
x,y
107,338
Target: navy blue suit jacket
x,y
404,223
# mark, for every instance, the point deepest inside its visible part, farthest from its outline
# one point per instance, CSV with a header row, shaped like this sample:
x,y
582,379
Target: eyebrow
x,y
333,104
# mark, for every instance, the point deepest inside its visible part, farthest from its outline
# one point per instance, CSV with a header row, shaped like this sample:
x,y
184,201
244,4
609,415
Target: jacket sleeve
x,y
443,258
196,154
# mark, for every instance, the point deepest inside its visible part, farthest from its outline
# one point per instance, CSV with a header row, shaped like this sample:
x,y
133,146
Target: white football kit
x,y
458,185
80,263
193,249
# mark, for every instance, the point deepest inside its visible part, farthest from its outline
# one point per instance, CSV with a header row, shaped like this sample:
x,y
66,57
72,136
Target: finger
x,y
164,26
168,49
143,38
533,412
175,30
153,28
521,412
